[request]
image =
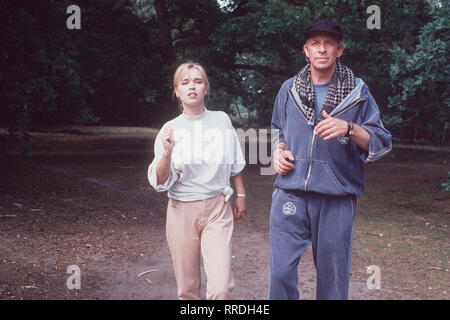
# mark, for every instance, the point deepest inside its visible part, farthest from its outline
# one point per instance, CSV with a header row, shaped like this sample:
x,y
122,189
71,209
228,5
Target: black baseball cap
x,y
324,26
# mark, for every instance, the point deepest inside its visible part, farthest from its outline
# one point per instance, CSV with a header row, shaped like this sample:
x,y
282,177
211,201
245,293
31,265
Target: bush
x,y
420,101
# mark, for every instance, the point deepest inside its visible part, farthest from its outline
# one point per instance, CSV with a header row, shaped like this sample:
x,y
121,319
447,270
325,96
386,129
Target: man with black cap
x,y
326,125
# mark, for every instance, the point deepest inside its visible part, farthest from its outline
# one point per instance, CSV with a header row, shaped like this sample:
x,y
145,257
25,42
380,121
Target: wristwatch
x,y
240,195
349,129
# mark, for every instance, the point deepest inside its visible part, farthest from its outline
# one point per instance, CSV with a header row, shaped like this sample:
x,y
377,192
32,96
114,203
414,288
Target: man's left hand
x,y
331,127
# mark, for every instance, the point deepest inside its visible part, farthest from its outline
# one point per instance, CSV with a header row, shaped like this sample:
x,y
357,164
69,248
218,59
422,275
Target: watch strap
x,y
349,129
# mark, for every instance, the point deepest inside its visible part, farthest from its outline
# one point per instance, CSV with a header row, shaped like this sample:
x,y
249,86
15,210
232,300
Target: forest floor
x,y
83,200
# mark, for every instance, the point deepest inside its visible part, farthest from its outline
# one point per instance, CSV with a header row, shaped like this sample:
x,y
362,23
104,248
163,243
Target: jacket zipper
x,y
312,143
310,160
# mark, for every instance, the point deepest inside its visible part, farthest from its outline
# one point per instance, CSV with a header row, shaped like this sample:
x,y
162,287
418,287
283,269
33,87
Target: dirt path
x,y
97,211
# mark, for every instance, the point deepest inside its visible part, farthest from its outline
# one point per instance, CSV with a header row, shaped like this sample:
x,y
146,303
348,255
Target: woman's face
x,y
191,88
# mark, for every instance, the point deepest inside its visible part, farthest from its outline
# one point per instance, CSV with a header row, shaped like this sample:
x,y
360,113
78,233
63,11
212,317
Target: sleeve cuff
x,y
152,178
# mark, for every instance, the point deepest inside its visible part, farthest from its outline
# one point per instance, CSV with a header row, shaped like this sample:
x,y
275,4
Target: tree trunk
x,y
239,113
165,37
168,54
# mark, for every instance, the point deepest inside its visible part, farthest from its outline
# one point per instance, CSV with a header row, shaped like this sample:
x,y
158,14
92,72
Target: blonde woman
x,y
196,156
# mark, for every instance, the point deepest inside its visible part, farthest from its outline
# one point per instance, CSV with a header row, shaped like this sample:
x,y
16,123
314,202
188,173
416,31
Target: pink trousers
x,y
197,229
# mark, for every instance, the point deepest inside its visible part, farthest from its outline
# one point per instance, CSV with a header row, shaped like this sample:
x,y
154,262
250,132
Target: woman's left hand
x,y
240,208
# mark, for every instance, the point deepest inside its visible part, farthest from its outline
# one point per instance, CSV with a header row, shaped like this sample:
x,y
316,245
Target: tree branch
x,y
262,69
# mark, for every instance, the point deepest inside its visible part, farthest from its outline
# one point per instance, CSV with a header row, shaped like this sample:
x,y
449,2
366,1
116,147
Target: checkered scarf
x,y
342,83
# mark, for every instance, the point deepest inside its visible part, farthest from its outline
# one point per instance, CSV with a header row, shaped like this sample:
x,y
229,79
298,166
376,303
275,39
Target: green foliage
x,y
40,79
118,68
421,100
39,73
261,44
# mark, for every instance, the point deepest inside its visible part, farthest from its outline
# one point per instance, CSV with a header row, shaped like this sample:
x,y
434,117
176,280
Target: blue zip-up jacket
x,y
333,167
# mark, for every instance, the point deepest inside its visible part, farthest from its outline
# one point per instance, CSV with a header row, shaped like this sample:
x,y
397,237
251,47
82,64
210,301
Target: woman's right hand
x,y
168,141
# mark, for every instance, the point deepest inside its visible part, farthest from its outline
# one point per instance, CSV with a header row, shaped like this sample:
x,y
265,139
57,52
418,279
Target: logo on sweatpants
x,y
289,208
343,140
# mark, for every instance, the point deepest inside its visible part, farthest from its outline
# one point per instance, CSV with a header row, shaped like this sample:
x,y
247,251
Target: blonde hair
x,y
189,65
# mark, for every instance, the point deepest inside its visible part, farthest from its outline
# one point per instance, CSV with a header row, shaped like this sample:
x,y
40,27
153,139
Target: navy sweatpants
x,y
298,218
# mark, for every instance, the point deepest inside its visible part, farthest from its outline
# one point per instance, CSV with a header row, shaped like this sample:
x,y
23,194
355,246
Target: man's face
x,y
322,51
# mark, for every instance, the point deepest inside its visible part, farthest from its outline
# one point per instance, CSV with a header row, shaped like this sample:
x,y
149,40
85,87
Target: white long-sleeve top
x,y
206,154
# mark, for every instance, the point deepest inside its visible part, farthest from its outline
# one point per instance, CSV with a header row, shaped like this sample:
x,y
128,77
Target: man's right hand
x,y
282,160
